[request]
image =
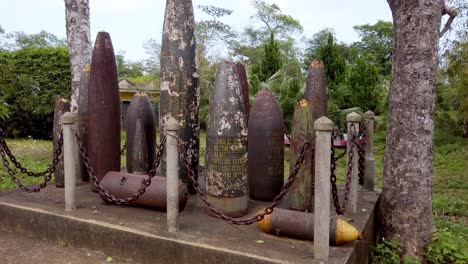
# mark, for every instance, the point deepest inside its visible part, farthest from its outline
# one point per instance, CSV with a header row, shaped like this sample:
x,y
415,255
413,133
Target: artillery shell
x,y
141,109
82,122
180,81
124,185
226,150
244,88
316,91
301,193
61,107
300,225
266,147
103,109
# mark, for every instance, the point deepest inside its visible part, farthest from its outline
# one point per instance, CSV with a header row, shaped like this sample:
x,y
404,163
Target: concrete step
x,y
139,234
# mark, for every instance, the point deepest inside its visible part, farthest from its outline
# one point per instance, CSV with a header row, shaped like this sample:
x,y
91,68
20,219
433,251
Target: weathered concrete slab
x,y
139,234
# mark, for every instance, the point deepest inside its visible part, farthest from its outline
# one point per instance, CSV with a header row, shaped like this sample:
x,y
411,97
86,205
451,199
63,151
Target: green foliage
x,y
376,44
447,247
386,252
363,80
128,69
271,61
31,80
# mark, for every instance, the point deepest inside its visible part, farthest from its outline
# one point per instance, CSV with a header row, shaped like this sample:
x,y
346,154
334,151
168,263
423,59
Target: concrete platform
x,y
139,234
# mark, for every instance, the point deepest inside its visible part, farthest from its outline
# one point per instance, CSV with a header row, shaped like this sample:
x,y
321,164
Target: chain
x,y
144,183
340,210
20,167
362,153
124,147
47,175
267,211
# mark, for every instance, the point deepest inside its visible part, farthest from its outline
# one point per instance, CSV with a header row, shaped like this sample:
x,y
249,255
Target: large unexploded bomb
x,y
301,193
180,81
266,147
316,91
82,122
140,109
103,109
124,185
226,148
300,225
61,107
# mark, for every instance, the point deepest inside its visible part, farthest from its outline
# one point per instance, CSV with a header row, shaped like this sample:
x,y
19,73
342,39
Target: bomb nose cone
x,y
345,232
265,224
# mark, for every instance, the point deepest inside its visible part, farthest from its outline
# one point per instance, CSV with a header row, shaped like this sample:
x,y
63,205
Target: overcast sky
x,y
131,22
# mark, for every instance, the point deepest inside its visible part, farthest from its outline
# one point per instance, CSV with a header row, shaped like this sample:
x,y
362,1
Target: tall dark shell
x,y
82,123
316,91
103,109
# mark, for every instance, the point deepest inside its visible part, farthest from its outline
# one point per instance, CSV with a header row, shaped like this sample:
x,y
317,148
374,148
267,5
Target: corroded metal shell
x,y
244,83
103,109
316,91
180,81
226,150
140,109
61,107
300,194
82,122
266,147
124,185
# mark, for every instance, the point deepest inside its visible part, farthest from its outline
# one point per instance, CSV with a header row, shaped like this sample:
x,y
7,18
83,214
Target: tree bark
x,y
406,205
78,41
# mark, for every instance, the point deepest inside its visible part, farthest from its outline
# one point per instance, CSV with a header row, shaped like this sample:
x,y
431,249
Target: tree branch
x,y
452,12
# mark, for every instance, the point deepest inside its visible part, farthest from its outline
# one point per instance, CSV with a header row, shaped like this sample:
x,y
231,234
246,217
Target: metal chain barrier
x,y
340,210
362,153
47,174
18,165
144,183
267,211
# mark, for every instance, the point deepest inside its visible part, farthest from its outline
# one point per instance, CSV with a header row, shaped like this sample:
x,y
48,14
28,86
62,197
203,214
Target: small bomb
x,y
226,148
266,147
300,225
103,109
141,135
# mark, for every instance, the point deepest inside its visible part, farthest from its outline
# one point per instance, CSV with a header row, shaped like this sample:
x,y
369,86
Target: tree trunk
x,y
78,41
406,206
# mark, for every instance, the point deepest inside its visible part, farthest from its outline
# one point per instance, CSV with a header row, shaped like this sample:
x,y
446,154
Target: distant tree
x,y
363,80
78,41
152,63
127,69
41,39
271,61
376,44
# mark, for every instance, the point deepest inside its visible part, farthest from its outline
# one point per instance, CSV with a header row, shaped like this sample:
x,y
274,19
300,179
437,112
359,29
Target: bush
x,y
31,79
446,247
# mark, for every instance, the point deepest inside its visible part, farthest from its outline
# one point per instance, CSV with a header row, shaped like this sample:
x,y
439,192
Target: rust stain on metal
x,y
103,110
266,148
300,196
61,107
179,84
244,84
226,153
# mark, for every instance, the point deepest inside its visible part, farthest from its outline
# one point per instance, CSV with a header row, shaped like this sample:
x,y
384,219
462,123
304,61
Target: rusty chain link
x,y
109,197
5,153
362,153
267,211
340,210
124,147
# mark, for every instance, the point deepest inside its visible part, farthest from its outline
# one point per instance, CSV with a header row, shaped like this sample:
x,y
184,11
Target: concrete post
x,y
369,174
172,172
71,159
323,130
353,119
